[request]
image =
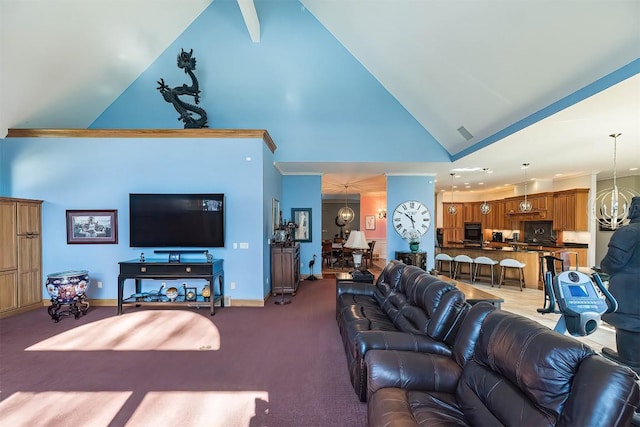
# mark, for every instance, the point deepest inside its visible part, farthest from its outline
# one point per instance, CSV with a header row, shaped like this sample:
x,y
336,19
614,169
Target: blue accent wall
x,y
399,189
304,191
317,102
95,174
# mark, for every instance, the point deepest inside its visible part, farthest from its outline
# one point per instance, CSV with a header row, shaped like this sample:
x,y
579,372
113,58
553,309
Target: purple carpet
x,y
273,366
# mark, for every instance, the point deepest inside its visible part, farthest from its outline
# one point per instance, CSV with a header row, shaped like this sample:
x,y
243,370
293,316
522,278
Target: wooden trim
x,y
144,133
17,199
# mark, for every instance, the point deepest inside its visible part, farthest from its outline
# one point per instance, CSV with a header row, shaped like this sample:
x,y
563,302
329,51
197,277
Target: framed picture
x,y
370,222
190,293
275,215
87,226
302,217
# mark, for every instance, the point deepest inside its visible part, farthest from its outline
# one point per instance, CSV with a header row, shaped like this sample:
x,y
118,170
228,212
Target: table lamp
x,y
358,242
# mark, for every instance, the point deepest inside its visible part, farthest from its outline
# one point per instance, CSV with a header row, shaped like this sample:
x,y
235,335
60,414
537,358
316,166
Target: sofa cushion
x,y
538,361
406,408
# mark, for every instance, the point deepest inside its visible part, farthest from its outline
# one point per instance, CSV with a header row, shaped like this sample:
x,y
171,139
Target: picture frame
x,y
370,222
190,293
275,215
92,226
302,217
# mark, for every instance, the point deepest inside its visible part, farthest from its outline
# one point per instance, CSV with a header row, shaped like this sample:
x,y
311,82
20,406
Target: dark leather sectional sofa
x,y
483,367
407,309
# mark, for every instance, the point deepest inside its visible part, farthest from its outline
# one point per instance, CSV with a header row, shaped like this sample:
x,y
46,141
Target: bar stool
x,y
511,263
553,265
440,258
483,260
565,256
463,259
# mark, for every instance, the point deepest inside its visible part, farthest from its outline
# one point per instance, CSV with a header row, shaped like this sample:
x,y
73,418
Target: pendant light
x,y
345,213
451,210
525,205
485,207
612,205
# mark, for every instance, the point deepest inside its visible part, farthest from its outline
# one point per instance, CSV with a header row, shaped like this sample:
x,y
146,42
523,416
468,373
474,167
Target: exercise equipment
x,y
580,300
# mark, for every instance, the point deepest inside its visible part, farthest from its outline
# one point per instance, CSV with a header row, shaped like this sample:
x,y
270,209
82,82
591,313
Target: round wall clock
x,y
411,215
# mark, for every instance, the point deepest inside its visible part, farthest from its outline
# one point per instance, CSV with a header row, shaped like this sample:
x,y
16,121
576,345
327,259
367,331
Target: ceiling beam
x,y
248,10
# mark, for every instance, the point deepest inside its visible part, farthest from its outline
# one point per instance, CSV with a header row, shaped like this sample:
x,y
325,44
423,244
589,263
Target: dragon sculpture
x,y
187,62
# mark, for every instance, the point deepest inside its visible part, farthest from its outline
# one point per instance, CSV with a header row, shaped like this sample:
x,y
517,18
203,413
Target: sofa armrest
x,y
411,371
392,340
357,288
602,394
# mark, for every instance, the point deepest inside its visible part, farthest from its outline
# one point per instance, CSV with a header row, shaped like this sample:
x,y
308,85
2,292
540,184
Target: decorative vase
x,y
414,246
67,286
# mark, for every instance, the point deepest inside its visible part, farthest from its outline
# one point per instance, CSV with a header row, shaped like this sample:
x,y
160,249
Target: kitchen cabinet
x,y
452,225
472,212
570,211
452,237
20,255
541,208
453,221
495,218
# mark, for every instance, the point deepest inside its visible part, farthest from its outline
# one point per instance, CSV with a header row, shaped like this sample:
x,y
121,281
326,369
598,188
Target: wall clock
x,y
411,215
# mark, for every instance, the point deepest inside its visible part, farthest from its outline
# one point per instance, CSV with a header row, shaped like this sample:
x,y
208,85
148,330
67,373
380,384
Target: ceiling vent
x,y
465,133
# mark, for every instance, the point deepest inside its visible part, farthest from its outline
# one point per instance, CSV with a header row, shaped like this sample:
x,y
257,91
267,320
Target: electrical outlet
x,y
244,246
233,285
99,284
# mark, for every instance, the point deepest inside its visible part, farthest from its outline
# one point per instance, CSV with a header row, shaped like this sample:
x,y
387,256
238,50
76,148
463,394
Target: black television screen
x,y
176,220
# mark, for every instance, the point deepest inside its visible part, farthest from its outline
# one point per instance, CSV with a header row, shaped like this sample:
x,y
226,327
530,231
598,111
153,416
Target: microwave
x,y
496,236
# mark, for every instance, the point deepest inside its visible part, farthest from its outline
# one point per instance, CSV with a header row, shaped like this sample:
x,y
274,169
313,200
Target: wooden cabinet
x,y
285,268
453,221
570,211
495,218
452,225
20,255
418,259
541,207
472,212
452,237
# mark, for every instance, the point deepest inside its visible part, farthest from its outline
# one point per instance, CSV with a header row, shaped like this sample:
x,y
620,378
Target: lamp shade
x,y
357,240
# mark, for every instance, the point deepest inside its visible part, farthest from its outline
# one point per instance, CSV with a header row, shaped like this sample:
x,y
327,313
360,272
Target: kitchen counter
x,y
529,258
537,246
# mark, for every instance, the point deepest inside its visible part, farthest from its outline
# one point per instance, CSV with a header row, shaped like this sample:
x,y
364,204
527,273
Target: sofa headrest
x,y
540,362
427,291
391,274
469,331
408,277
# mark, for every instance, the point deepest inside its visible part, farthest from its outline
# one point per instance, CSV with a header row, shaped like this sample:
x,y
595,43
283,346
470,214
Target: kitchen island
x,y
529,258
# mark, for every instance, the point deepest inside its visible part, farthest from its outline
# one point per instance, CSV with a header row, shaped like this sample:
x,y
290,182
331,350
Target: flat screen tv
x,y
176,220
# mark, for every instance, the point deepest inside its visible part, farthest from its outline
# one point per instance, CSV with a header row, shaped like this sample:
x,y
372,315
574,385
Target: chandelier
x,y
612,205
525,205
345,213
452,209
